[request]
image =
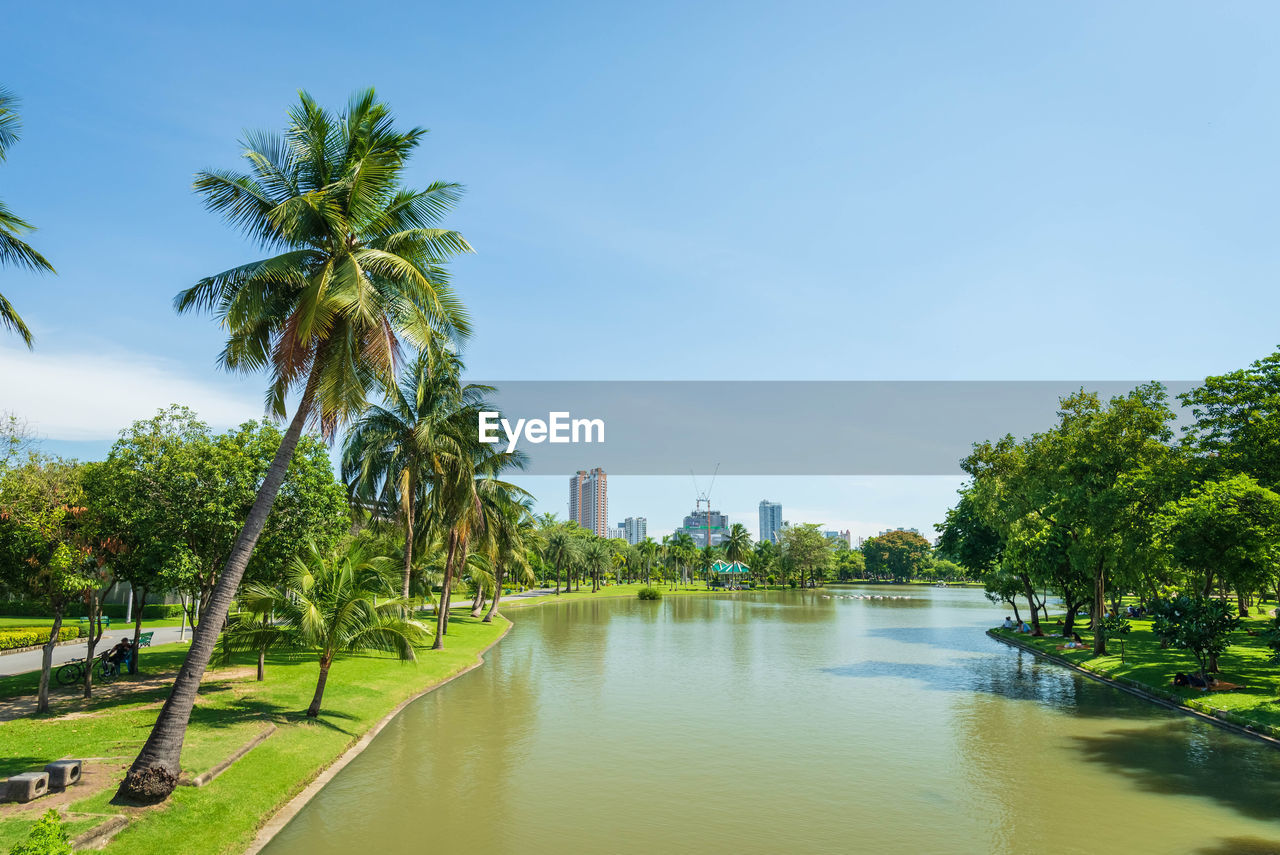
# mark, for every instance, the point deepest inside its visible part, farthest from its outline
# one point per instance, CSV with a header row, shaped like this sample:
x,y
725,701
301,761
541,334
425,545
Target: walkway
x,y
21,663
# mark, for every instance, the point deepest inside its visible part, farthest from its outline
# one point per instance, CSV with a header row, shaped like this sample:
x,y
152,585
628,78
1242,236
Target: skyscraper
x,y
635,529
770,520
589,500
695,525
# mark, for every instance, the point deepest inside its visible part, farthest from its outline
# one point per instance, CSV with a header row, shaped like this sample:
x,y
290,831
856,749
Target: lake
x,y
798,722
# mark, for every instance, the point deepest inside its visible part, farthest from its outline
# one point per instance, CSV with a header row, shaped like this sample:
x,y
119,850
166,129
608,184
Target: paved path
x,y
20,663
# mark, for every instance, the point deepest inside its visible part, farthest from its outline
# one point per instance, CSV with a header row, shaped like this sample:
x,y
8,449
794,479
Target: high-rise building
x,y
770,520
589,500
615,532
845,537
695,525
635,529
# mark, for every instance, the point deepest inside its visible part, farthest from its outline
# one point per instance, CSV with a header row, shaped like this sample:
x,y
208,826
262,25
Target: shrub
x,y
157,611
30,636
47,837
649,594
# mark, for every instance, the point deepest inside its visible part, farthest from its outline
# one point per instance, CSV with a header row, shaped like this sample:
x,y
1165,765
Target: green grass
x,y
115,624
223,816
1147,666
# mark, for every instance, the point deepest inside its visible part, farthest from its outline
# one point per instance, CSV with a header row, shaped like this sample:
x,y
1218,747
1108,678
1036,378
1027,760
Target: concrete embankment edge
x,y
1218,720
291,808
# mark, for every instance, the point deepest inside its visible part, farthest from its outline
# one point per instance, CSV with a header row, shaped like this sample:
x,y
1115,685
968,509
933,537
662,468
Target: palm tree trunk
x,y
46,662
408,548
155,771
478,603
442,608
497,594
325,661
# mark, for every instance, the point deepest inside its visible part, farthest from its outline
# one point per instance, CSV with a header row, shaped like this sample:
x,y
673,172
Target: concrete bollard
x,y
63,773
28,786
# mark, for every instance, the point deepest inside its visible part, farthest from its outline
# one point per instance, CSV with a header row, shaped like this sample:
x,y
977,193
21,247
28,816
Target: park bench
x,y
144,640
106,621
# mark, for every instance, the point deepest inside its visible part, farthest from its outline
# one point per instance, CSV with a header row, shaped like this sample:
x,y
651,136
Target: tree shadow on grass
x,y
15,765
1189,758
1241,846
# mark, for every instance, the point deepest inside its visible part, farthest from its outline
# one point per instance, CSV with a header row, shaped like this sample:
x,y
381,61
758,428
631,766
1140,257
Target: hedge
x,y
115,611
30,636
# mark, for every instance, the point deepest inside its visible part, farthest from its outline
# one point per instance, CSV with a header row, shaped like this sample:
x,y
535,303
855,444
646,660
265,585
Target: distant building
x,y
844,537
770,520
635,529
695,525
589,500
615,532
887,530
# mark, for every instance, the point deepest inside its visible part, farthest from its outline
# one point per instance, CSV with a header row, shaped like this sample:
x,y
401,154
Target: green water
x,y
797,723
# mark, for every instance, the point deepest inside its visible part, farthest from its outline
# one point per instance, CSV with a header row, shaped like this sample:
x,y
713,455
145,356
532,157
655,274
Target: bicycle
x,y
72,671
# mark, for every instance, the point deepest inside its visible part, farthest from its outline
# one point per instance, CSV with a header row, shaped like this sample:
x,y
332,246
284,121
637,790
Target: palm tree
x,y
596,559
737,546
328,607
683,551
512,536
388,456
648,549
561,552
14,250
357,269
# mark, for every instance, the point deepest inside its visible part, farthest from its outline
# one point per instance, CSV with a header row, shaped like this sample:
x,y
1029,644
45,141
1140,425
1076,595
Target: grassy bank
x,y
629,590
223,816
1148,667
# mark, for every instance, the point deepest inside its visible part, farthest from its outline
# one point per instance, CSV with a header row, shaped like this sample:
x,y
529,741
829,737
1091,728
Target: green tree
x,y
1199,624
807,550
898,555
45,542
329,605
1237,423
1228,529
737,545
392,452
13,249
357,268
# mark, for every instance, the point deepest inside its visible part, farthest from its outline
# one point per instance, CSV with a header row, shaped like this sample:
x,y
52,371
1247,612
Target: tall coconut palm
x,y
14,250
596,560
648,549
561,552
737,546
330,605
387,459
355,269
513,533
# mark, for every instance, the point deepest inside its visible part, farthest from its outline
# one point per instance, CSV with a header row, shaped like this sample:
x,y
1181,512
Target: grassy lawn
x,y
1246,663
115,624
223,816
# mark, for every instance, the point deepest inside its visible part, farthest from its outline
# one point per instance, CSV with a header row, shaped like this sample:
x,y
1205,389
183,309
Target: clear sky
x,y
675,191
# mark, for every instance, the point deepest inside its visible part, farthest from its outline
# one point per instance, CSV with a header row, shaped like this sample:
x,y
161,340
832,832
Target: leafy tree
x,y
807,550
1200,625
1117,627
1228,528
13,250
1237,423
898,555
737,546
357,268
329,605
850,564
44,542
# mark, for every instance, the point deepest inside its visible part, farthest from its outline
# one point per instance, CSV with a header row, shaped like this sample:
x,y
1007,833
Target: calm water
x,y
790,723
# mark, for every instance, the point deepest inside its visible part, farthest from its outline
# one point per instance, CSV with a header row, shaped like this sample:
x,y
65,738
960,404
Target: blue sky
x,y
681,191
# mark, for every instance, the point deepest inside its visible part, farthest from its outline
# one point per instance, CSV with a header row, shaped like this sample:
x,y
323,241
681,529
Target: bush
x,y
649,594
30,636
159,611
115,611
47,837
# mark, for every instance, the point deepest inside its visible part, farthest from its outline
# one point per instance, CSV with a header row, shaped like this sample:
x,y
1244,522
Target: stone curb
x,y
97,837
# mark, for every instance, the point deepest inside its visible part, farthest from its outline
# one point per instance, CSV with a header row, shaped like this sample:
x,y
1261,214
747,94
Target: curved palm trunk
x,y
497,594
325,661
478,603
408,549
442,608
155,771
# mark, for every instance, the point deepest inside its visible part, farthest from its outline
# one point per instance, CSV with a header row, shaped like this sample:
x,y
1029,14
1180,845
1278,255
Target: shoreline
x,y
1220,719
277,820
